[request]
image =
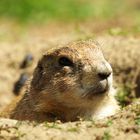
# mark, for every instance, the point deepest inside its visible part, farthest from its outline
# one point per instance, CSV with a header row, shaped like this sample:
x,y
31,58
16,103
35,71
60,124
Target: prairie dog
x,y
68,82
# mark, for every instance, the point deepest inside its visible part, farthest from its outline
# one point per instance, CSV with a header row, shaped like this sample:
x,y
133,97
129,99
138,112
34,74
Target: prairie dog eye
x,y
64,61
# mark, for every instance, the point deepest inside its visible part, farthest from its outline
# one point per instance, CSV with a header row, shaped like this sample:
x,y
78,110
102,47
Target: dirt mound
x,y
124,125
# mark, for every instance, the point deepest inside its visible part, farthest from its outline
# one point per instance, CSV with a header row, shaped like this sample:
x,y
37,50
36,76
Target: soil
x,y
124,125
16,43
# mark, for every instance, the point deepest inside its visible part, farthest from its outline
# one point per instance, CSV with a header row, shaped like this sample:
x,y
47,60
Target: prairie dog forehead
x,y
79,49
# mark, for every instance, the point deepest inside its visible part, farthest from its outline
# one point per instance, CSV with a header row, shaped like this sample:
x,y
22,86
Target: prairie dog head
x,y
75,75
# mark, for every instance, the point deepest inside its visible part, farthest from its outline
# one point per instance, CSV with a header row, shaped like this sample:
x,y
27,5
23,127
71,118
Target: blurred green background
x,y
69,10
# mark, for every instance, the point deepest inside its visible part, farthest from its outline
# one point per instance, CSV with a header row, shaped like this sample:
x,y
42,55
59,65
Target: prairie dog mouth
x,y
100,89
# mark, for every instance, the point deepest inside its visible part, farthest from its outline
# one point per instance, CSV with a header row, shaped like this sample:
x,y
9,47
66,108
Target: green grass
x,y
73,129
106,136
123,96
137,120
45,9
53,125
109,123
66,10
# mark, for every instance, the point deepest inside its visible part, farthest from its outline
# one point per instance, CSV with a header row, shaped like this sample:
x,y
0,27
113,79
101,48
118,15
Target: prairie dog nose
x,y
104,75
104,71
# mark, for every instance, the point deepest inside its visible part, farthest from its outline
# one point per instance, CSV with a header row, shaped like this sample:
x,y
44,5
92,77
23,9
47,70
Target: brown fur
x,y
67,92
